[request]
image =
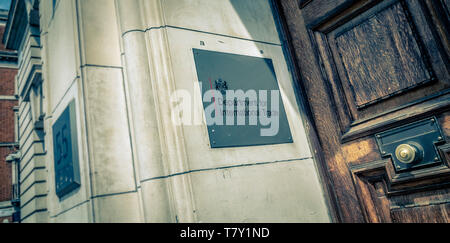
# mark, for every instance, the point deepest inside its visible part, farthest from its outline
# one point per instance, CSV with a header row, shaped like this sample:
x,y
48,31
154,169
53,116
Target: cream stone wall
x,y
33,168
83,63
121,61
182,179
62,84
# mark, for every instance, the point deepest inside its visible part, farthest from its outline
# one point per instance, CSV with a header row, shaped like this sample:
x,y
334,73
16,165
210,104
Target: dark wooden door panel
x,y
425,214
385,196
380,59
367,66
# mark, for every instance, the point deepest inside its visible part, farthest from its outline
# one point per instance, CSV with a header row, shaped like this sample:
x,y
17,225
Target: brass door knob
x,y
407,153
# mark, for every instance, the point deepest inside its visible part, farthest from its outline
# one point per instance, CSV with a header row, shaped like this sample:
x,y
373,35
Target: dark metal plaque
x,y
423,135
65,149
226,77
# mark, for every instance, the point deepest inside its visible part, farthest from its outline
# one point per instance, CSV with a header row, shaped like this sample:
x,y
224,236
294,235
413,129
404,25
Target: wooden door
x,y
365,68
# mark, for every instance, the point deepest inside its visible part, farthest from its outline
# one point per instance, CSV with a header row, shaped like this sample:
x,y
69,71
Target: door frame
x,y
305,109
315,142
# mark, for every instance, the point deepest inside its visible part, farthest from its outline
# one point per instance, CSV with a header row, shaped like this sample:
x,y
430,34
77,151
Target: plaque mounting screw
x,y
440,138
436,159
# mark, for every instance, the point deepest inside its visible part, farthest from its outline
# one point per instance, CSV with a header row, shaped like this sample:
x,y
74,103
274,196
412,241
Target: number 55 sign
x,y
65,150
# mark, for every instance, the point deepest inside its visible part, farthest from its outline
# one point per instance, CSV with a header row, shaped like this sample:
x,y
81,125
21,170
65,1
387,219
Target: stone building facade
x,y
8,135
108,69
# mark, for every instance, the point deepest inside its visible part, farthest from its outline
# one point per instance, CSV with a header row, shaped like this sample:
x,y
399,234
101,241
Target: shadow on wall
x,y
257,17
254,12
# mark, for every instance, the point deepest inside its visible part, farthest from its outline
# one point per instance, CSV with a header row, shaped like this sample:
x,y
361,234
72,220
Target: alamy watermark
x,y
229,108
